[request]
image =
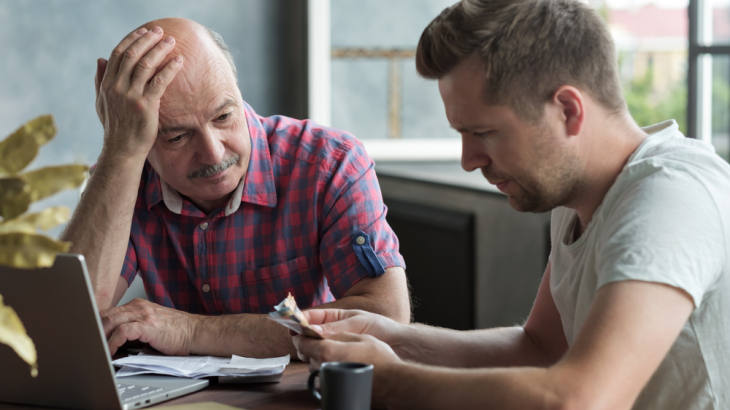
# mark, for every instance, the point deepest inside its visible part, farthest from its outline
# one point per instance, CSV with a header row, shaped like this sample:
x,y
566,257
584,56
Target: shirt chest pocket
x,y
265,287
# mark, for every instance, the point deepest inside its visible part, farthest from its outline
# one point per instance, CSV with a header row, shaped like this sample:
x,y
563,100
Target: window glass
x,y
376,92
716,22
721,104
651,41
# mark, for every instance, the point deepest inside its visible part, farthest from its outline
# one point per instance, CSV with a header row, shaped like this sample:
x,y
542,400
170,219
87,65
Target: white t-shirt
x,y
666,219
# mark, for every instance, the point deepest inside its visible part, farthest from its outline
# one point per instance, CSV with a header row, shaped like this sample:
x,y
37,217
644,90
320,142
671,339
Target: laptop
x,y
74,366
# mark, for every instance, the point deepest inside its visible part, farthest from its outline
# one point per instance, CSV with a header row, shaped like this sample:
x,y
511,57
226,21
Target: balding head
x,y
186,32
203,59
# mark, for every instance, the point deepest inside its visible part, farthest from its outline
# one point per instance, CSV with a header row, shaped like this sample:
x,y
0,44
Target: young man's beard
x,y
555,183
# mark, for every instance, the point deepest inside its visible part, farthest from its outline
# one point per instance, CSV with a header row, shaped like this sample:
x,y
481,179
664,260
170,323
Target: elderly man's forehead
x,y
181,29
195,44
192,40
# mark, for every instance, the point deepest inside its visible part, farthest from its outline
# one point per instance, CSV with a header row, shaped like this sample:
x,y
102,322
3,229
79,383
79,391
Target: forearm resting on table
x,y
411,386
99,229
499,347
254,335
540,342
247,334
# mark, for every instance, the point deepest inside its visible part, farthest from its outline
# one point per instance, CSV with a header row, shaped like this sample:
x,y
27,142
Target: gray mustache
x,y
214,169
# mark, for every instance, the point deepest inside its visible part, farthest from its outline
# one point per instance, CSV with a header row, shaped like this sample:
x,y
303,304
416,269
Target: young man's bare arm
x,y
541,342
629,330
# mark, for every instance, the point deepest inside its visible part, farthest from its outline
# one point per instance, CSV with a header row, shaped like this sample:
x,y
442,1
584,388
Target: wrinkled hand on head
x,y
128,90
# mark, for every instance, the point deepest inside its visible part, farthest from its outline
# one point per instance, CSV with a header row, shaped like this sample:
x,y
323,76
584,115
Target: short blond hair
x,y
529,48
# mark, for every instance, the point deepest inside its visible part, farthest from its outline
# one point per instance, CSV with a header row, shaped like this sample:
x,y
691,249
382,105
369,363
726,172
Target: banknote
x,y
288,314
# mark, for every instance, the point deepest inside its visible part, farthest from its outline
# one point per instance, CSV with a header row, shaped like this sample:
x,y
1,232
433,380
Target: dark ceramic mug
x,y
344,385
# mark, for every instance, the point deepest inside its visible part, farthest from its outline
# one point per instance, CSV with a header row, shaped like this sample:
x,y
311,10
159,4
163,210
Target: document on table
x,y
197,367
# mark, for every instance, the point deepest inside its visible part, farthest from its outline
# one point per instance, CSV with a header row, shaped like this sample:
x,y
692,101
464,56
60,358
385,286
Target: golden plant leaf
x,y
12,333
47,181
45,220
29,251
12,186
14,197
19,149
15,206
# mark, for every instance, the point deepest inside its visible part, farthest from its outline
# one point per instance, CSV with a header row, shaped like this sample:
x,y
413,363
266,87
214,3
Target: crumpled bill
x,y
288,314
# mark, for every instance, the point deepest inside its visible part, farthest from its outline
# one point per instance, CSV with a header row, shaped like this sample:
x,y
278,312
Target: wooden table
x,y
290,393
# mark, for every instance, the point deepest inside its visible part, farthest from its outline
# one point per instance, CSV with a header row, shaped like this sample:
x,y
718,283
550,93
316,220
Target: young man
x,y
630,312
222,212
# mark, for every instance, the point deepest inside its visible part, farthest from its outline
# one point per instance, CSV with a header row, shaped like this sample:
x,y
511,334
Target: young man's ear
x,y
571,106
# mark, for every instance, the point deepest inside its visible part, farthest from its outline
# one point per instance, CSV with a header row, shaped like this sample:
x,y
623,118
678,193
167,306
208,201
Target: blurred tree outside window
x,y
651,42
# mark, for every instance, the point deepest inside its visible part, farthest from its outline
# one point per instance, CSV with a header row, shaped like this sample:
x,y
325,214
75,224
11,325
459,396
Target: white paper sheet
x,y
199,366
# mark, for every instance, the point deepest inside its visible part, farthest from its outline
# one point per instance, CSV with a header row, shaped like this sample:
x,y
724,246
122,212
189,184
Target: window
x,y
709,73
377,95
651,42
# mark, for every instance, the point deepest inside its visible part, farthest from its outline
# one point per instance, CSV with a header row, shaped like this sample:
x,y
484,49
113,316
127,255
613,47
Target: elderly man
x,y
222,212
632,309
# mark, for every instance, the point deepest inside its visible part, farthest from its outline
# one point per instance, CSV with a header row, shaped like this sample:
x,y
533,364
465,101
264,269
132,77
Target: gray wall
x,y
48,52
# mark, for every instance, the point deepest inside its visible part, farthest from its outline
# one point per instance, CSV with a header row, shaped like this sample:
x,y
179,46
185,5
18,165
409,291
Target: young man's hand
x,y
345,347
351,347
331,321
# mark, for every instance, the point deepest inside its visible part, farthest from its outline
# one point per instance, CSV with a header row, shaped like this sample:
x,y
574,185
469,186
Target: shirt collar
x,y
256,187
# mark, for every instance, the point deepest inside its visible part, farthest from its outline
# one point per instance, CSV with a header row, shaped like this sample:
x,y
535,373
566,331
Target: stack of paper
x,y
197,367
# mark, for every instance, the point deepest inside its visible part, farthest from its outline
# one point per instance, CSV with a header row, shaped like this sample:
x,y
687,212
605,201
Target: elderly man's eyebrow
x,y
227,103
169,130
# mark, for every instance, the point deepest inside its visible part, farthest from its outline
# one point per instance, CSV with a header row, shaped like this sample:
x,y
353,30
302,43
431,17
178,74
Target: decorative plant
x,y
21,246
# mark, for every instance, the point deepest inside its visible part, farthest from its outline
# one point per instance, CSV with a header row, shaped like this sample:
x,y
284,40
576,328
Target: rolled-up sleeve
x,y
356,240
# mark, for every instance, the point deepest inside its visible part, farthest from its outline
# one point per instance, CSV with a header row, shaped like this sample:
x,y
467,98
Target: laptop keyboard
x,y
134,392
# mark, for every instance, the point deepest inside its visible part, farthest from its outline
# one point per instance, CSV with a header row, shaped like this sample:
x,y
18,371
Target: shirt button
x,y
360,240
206,288
204,226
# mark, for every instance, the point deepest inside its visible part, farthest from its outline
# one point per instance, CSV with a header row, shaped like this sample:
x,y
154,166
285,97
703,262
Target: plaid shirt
x,y
308,218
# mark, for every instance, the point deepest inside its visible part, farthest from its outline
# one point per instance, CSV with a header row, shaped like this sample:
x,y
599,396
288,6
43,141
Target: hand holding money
x,y
288,314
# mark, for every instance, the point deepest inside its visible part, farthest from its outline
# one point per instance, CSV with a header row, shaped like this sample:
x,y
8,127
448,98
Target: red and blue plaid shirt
x,y
308,218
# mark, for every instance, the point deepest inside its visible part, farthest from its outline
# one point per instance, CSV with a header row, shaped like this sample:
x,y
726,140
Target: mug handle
x,y
310,384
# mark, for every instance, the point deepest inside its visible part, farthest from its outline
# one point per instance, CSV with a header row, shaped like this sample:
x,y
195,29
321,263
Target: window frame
x,y
319,99
699,74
